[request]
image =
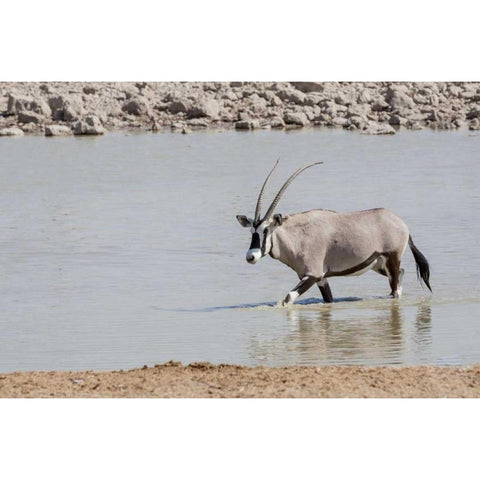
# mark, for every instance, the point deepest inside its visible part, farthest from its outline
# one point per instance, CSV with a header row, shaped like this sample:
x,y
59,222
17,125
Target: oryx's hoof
x,y
397,293
289,299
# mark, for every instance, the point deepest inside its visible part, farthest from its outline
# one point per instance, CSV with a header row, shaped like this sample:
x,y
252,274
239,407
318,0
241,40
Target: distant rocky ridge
x,y
81,108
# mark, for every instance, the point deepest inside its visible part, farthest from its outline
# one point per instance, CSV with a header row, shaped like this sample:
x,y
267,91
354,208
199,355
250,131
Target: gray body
x,y
322,243
319,244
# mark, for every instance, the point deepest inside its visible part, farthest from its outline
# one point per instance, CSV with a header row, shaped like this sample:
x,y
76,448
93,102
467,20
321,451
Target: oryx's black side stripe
x,y
264,241
359,267
255,241
305,284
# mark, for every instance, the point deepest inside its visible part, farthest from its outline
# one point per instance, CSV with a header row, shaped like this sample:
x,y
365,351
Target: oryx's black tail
x,y
423,269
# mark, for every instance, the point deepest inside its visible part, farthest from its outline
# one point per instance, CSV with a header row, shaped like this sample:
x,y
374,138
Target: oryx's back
x,y
378,228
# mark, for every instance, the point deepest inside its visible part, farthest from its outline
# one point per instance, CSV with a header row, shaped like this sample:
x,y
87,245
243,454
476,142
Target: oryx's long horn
x,y
285,185
260,196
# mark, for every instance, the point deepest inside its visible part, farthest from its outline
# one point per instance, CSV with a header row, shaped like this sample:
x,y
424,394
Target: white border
x,y
249,40
239,439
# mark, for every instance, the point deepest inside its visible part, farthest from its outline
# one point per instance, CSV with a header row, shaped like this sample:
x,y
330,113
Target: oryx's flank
x,y
319,244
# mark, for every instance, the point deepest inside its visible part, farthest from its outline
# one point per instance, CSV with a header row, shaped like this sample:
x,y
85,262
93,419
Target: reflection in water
x,y
423,325
422,335
379,334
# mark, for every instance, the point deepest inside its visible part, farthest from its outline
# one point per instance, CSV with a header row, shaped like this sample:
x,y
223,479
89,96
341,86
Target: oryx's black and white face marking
x,y
262,230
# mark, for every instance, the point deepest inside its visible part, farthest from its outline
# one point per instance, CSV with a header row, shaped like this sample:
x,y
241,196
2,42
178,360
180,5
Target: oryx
x,y
319,244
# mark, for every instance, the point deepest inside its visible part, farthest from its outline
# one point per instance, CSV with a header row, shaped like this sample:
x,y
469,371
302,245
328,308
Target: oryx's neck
x,y
283,245
302,236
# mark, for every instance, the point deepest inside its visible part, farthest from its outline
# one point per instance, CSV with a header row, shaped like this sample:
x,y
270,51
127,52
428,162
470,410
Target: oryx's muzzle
x,y
254,254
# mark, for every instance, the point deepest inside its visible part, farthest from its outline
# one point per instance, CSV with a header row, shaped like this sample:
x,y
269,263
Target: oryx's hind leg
x,y
325,291
389,266
395,274
379,266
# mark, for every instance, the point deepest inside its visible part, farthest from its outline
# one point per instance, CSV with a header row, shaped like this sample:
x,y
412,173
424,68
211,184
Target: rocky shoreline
x,y
93,108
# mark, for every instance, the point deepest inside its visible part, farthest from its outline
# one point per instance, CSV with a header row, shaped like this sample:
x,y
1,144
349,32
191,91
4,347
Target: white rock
x,y
67,108
454,90
178,106
379,129
356,121
379,105
273,99
229,95
420,99
90,125
344,99
57,130
474,124
416,117
340,121
204,107
19,103
468,95
413,125
130,90
277,122
73,109
365,96
295,118
398,98
11,132
257,104
358,110
136,106
29,127
198,122
313,99
294,96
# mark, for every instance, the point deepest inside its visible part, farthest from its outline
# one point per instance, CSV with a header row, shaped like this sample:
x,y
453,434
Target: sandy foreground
x,y
200,380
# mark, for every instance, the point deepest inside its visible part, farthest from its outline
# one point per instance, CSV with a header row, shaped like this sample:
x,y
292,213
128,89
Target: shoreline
x,y
375,108
205,380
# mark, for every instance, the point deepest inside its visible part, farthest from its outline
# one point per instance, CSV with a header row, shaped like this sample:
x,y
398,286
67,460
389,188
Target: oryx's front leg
x,y
305,283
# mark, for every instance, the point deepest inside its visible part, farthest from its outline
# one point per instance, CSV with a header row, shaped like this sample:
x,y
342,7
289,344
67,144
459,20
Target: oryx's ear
x,y
244,221
277,219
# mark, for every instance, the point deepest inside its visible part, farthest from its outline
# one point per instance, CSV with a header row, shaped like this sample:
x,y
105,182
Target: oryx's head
x,y
263,228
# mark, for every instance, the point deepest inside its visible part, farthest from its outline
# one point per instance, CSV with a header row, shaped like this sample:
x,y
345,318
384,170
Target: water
x,y
124,250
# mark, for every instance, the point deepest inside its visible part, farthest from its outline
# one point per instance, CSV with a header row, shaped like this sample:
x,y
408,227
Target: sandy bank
x,y
198,380
65,108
